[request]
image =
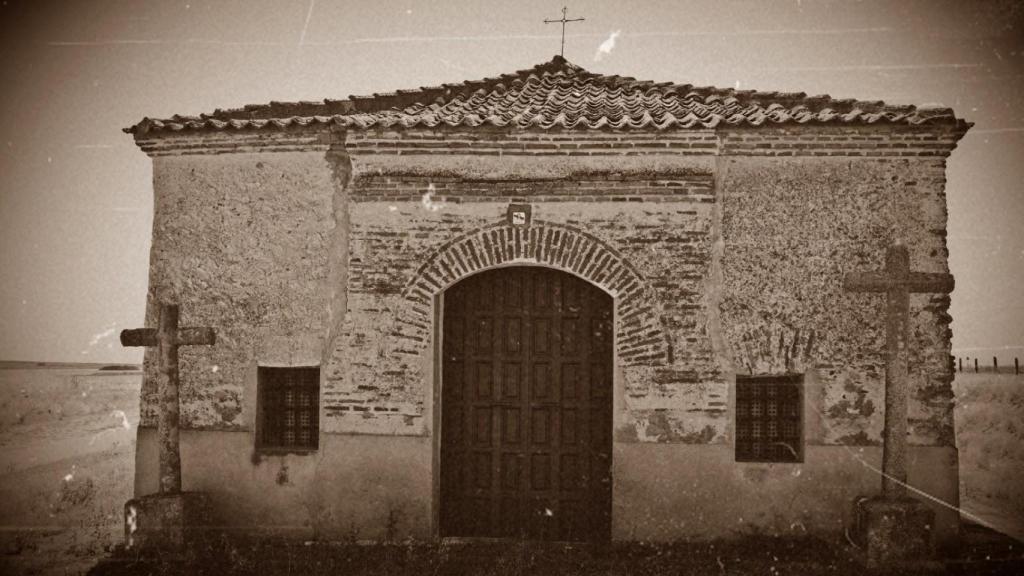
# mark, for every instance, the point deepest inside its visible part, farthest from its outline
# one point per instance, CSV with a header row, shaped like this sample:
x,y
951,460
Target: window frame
x,y
264,382
795,381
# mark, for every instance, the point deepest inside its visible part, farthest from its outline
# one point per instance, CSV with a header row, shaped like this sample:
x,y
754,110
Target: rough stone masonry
x,y
720,221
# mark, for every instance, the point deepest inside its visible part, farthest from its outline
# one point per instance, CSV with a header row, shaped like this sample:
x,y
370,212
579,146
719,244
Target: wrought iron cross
x,y
563,21
897,281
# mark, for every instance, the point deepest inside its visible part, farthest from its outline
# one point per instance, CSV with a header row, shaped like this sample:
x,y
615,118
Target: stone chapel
x,y
551,304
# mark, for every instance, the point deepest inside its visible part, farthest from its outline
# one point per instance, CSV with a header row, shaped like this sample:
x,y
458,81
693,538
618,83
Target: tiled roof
x,y
559,94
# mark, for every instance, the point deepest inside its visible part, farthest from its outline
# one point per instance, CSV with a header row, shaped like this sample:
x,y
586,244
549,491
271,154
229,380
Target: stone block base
x,y
894,532
166,522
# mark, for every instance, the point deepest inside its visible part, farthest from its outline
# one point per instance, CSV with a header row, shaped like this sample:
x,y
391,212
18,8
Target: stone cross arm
x,y
897,276
185,337
897,282
167,338
912,282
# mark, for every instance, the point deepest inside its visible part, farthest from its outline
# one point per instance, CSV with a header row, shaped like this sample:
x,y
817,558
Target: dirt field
x,y
67,445
990,436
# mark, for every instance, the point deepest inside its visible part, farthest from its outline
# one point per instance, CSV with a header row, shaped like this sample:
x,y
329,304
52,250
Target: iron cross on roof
x,y
563,21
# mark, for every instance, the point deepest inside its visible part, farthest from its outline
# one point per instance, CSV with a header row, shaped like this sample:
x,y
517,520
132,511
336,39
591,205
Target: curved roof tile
x,y
558,94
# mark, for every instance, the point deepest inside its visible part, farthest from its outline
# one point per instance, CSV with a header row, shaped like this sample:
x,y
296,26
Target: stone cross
x,y
563,20
167,337
897,282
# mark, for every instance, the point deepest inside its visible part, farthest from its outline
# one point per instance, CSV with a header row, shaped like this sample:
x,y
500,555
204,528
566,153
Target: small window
x,y
768,419
289,408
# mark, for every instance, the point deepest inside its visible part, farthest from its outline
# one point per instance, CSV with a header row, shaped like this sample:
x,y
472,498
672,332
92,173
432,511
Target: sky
x,y
76,194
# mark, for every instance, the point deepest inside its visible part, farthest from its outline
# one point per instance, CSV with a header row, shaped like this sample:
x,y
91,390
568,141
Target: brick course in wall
x,y
854,141
503,142
208,143
887,141
588,188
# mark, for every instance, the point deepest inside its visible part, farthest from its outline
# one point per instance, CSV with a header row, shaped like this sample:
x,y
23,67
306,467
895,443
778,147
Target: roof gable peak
x,y
559,94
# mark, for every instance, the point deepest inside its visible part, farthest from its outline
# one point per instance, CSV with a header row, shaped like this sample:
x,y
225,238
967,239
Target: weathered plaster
x,y
337,277
242,242
345,490
669,492
792,228
661,492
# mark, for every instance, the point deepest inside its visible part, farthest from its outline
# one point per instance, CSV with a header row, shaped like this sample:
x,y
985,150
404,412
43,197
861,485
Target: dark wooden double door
x,y
526,407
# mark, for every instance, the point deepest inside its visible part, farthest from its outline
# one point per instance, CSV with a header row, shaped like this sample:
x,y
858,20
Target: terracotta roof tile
x,y
559,94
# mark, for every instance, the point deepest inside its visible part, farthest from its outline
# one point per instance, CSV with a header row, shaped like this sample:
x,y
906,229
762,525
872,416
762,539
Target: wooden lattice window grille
x,y
769,419
289,408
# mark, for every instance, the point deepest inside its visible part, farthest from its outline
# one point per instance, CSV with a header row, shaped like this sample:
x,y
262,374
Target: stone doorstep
x,y
166,522
894,533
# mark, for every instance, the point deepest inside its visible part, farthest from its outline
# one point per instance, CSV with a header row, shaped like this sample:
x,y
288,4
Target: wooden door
x,y
526,407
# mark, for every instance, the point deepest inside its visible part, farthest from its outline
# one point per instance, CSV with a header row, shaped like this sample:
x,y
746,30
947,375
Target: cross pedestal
x,y
894,527
159,521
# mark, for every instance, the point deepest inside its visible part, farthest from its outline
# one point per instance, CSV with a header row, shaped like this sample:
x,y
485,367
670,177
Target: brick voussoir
x,y
554,245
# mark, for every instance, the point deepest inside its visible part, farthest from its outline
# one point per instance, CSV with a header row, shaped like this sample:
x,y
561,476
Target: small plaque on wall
x,y
519,214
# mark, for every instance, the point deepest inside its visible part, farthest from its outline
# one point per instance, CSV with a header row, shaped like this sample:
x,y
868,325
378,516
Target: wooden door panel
x,y
571,439
540,428
512,473
570,336
572,472
483,336
600,435
454,387
541,384
513,337
454,334
600,383
571,382
542,293
481,466
482,420
511,428
513,292
540,472
483,380
541,335
511,381
526,407
455,427
511,516
572,298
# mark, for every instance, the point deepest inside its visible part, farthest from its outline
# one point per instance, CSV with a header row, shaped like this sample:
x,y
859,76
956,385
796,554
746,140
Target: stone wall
x,y
243,242
792,229
731,246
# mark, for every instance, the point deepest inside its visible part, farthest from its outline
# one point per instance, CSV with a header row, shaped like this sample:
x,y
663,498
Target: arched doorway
x,y
526,406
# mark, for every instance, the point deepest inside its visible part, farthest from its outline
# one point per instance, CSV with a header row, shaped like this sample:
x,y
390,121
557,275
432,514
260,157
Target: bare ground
x,y
750,555
990,438
67,453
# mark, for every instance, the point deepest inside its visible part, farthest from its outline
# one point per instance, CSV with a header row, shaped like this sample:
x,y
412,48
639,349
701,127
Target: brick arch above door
x,y
641,338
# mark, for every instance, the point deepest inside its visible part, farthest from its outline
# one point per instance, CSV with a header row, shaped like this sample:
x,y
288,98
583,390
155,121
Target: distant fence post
x,y
975,365
995,365
961,364
1016,366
